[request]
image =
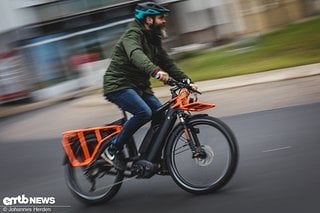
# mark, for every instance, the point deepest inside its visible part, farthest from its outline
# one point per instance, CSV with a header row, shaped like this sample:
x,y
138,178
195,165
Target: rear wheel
x,y
214,162
93,184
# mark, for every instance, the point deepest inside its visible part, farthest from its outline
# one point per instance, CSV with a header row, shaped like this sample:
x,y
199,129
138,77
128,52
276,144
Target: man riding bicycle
x,y
137,56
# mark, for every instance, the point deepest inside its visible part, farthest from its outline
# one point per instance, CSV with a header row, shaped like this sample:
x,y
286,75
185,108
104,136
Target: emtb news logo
x,y
24,200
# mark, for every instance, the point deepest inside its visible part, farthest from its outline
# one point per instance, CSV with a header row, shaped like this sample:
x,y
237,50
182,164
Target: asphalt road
x,y
278,169
279,148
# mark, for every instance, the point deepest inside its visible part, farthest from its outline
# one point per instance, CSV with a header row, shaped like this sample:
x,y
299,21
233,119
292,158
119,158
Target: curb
x,y
251,79
7,111
161,92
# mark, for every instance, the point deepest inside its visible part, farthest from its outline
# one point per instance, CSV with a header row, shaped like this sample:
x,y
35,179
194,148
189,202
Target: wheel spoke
x,y
182,151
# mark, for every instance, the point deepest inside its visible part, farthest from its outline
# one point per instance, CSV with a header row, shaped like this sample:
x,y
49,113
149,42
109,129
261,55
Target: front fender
x,y
189,118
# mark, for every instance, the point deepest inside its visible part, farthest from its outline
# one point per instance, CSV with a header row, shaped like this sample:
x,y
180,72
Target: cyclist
x,y
137,56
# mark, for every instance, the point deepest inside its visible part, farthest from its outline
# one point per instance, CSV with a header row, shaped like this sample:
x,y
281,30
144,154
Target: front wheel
x,y
214,166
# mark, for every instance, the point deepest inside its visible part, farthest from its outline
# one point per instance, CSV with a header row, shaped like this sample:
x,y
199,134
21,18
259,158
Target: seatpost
x,y
125,115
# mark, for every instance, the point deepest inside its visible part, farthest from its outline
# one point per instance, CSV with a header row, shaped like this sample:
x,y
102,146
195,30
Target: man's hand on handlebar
x,y
186,83
162,76
192,85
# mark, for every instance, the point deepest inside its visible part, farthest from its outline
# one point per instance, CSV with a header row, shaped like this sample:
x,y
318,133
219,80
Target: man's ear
x,y
149,20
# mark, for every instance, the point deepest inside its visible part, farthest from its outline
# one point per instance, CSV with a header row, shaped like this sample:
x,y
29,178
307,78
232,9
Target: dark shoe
x,y
114,158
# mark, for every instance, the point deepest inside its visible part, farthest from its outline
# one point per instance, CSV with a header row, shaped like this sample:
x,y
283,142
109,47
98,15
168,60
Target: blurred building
x,y
219,21
204,21
57,39
64,44
265,15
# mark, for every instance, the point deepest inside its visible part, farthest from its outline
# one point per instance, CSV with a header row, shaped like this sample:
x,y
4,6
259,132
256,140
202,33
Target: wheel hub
x,y
207,158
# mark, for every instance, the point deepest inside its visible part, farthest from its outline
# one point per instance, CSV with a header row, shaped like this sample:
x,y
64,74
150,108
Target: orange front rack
x,y
197,106
183,103
81,146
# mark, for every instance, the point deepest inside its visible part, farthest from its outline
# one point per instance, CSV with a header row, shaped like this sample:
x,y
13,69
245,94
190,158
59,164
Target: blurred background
x,y
50,47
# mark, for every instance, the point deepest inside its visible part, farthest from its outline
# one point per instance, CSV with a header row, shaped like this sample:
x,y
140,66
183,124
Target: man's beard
x,y
159,30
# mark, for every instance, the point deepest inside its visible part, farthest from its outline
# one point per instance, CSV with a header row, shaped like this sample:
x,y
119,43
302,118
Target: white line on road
x,y
277,149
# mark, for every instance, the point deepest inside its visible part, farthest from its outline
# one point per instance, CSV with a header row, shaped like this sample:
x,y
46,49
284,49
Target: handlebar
x,y
172,82
181,85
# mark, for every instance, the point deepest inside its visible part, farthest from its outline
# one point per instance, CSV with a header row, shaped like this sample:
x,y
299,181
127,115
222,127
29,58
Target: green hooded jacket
x,y
136,57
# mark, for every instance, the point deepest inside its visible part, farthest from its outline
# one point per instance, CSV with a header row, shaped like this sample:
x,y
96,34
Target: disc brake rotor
x,y
207,160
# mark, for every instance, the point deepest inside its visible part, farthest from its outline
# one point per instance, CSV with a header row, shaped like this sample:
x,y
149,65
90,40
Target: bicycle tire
x,y
87,197
179,166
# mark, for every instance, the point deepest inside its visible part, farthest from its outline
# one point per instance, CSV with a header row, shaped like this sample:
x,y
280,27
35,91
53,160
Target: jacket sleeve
x,y
168,65
132,44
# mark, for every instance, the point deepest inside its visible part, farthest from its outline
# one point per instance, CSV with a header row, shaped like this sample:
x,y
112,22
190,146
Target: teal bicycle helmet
x,y
149,9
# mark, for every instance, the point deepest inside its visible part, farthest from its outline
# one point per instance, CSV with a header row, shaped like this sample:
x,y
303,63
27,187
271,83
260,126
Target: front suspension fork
x,y
191,137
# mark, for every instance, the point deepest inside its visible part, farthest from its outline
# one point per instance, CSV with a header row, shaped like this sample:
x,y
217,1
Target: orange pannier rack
x,y
81,146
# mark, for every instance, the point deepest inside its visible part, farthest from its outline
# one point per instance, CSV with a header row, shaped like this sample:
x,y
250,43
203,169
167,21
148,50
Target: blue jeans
x,y
140,106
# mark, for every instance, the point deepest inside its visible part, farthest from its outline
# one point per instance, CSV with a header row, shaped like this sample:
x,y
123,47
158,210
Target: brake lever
x,y
193,90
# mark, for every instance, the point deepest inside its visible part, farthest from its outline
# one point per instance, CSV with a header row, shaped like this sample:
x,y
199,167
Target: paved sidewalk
x,y
204,86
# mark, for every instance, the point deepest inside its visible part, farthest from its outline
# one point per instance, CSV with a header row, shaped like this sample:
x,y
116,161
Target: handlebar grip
x,y
157,76
172,82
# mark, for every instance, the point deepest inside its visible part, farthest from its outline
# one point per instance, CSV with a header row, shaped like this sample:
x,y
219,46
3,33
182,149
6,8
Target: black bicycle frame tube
x,y
166,126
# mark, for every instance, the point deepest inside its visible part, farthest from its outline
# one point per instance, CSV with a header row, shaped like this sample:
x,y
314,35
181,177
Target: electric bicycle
x,y
198,151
